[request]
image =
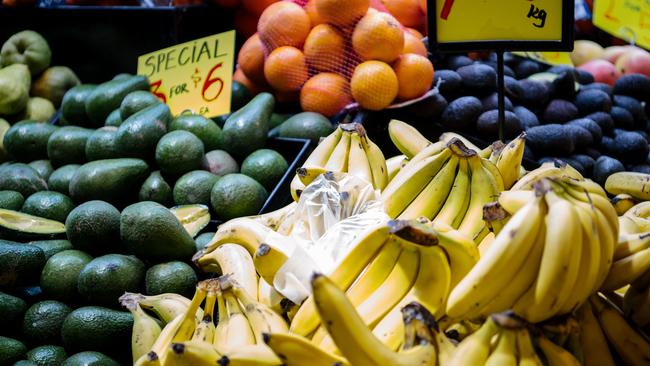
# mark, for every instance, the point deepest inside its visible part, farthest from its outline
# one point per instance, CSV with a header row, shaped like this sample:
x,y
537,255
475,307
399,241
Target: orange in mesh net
x,y
374,85
251,59
342,13
414,74
286,69
378,36
315,18
326,93
413,43
325,48
407,12
283,24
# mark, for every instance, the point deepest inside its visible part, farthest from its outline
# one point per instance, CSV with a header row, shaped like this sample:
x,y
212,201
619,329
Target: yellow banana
x,y
204,331
261,318
394,165
497,179
309,174
556,169
495,217
338,161
238,330
358,163
592,338
149,359
251,355
232,260
509,160
274,219
220,340
298,351
448,137
453,211
475,349
623,202
243,231
482,191
525,349
269,258
406,138
188,324
629,244
166,306
196,353
556,355
377,163
461,251
505,352
512,201
269,296
632,183
626,270
145,331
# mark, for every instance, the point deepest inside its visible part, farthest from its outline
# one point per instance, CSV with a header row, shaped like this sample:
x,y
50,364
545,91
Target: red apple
x,y
603,71
634,62
612,53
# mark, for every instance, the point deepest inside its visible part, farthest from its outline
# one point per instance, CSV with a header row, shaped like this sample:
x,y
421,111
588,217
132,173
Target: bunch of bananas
x,y
552,253
631,183
347,150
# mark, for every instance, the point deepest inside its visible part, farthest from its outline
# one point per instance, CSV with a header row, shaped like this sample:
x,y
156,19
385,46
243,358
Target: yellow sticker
x,y
625,19
549,58
195,76
498,20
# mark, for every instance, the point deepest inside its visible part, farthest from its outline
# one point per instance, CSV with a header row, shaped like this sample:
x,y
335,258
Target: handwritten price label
x,y
549,58
194,76
626,19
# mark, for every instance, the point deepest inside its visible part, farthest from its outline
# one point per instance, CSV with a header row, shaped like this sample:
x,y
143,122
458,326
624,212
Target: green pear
x,y
14,88
53,83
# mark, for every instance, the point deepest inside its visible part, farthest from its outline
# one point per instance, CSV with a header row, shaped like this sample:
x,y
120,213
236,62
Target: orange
x,y
257,6
251,59
407,12
284,24
374,85
315,18
254,88
415,75
423,6
286,69
414,32
378,36
325,48
342,12
326,93
245,22
413,44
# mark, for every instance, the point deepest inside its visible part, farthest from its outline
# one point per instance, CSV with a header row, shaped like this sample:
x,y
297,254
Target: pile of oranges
x,y
330,53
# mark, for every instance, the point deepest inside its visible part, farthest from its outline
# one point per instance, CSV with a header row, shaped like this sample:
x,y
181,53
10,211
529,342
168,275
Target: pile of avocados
x,y
597,128
97,205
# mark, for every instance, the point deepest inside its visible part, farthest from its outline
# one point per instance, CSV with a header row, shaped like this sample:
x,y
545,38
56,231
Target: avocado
x,y
114,119
525,68
25,363
20,226
455,62
592,153
12,309
461,113
156,189
43,167
527,118
152,232
205,129
608,147
551,139
101,144
634,107
633,85
586,161
450,82
622,118
429,107
111,180
106,278
600,86
488,124
245,130
43,320
135,102
138,135
478,79
604,120
73,106
535,94
492,102
265,166
98,329
171,277
94,227
584,77
203,239
90,358
237,195
582,138
512,88
21,178
194,187
59,180
560,111
179,152
591,126
632,146
47,355
564,86
20,263
26,141
61,273
576,165
11,200
48,204
306,125
51,247
277,119
108,96
67,145
604,167
11,350
240,96
593,100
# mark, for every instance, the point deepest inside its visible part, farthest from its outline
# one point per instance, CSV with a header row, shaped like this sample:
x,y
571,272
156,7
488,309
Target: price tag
x,y
549,58
195,76
524,25
625,19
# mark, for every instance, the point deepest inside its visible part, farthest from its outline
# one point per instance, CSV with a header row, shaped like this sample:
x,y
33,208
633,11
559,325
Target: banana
x,y
497,179
269,258
145,331
410,181
317,158
623,202
261,318
495,217
309,174
509,160
632,183
626,270
274,219
636,305
196,352
453,211
363,251
475,349
431,199
149,359
446,349
448,137
505,351
526,351
251,355
629,244
189,323
298,351
483,191
461,251
353,337
358,163
166,306
593,339
238,331
204,331
377,163
556,169
243,231
512,201
485,243
221,330
406,138
394,165
556,355
338,161
628,225
232,260
493,272
269,296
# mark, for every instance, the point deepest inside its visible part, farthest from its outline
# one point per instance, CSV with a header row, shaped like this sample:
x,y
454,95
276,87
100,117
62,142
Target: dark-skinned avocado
x,y
560,111
622,118
633,85
450,82
478,79
488,124
589,125
593,100
551,139
604,167
461,113
604,120
527,118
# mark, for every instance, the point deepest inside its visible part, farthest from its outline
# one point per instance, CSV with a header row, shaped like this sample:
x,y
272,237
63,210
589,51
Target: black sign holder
x,y
501,46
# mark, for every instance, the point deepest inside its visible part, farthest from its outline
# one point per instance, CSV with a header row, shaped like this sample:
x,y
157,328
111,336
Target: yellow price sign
x,y
505,24
194,76
549,58
626,19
